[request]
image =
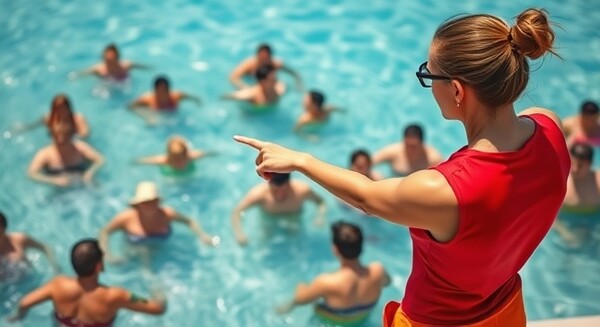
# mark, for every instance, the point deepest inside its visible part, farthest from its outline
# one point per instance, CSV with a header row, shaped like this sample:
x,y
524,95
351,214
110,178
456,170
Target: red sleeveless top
x,y
507,203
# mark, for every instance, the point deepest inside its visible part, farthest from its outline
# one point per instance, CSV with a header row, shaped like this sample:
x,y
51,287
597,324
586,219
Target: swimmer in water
x,y
111,66
66,158
583,196
349,294
178,157
82,301
410,155
584,127
279,196
161,99
264,57
360,162
315,110
266,92
147,222
13,247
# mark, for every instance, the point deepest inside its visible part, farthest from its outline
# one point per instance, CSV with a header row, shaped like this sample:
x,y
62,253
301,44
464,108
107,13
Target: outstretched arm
x,y
422,200
33,298
193,98
83,73
160,159
117,223
305,293
253,197
33,243
127,300
321,207
240,95
193,225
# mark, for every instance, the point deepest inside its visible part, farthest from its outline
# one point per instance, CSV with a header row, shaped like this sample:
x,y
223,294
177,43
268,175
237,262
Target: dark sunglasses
x,y
426,77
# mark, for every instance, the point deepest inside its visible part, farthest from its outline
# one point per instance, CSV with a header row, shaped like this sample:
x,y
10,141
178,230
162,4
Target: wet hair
x,y
414,130
589,108
57,116
582,151
111,47
359,153
85,256
279,179
263,71
264,47
3,222
161,80
489,56
347,238
317,97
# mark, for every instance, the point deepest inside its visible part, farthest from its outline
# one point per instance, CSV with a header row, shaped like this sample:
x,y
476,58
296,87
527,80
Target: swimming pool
x,y
362,56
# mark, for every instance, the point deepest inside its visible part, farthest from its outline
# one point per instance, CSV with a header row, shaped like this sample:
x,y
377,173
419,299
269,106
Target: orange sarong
x,y
511,315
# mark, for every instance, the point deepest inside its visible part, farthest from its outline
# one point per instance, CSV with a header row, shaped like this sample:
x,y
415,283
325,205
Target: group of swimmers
x,y
347,295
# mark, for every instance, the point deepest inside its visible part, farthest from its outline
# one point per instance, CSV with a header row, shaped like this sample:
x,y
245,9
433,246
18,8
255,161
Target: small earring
x,y
458,104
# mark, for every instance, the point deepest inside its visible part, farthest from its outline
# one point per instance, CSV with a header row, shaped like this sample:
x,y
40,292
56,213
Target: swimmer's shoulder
x,y
277,63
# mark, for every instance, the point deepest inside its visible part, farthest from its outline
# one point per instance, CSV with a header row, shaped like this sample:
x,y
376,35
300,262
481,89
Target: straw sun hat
x,y
145,191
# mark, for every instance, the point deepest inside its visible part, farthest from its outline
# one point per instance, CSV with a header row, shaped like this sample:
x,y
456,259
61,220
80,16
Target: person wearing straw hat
x,y
147,222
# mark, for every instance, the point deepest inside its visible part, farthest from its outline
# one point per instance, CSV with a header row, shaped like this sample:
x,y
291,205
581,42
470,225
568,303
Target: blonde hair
x,y
177,146
491,57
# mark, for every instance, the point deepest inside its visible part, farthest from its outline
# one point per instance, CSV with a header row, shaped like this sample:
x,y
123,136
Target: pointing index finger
x,y
258,145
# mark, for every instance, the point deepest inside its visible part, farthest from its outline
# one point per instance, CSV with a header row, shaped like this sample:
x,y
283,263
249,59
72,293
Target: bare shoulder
x,y
377,269
170,212
18,238
300,186
546,112
278,63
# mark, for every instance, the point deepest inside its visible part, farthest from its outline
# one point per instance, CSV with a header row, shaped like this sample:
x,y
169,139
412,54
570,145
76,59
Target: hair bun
x,y
532,35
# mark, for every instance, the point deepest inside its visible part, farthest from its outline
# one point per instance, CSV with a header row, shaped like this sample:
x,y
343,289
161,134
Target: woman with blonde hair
x,y
476,218
179,159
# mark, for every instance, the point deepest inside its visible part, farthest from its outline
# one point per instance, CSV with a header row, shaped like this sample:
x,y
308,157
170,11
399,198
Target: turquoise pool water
x,y
363,56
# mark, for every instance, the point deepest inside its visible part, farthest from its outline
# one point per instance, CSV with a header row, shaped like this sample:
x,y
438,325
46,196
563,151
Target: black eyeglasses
x,y
426,77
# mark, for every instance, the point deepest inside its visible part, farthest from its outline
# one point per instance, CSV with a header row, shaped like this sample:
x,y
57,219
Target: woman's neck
x,y
490,125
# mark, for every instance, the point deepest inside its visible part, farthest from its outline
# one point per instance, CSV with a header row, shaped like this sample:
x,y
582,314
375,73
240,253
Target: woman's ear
x,y
459,92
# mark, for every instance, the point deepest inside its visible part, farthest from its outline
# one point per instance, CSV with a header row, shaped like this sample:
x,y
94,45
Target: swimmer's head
x,y
60,111
589,108
86,257
111,53
413,136
314,100
360,162
582,155
161,84
265,75
177,147
3,223
62,132
347,239
264,54
279,184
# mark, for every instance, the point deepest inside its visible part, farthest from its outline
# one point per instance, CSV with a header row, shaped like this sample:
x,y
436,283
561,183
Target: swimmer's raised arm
x,y
238,72
83,129
92,155
253,197
192,224
423,200
127,300
385,154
